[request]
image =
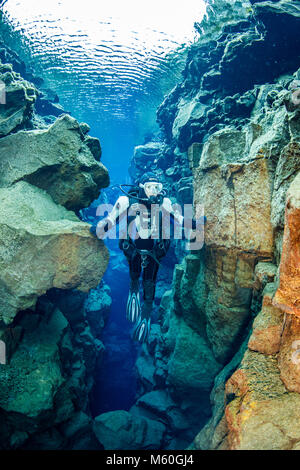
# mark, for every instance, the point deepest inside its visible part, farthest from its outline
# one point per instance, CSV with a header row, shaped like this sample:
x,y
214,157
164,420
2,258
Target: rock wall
x,y
235,118
49,263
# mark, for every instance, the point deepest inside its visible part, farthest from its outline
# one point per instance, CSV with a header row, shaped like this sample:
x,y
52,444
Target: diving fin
x,y
142,330
133,309
143,325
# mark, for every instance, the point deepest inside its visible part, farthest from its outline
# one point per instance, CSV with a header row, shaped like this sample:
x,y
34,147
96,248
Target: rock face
x,y
49,262
262,414
51,355
186,343
67,170
287,296
47,104
267,330
241,139
234,183
211,96
17,101
288,358
42,246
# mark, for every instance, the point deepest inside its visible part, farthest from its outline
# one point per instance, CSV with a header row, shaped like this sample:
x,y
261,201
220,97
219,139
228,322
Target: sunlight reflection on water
x,y
111,57
110,63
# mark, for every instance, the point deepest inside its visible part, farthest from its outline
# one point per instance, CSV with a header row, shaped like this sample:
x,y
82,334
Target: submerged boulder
x,y
46,381
145,155
58,159
121,430
32,378
42,245
97,307
192,366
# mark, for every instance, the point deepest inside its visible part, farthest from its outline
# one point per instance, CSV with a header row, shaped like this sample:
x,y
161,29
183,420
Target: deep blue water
x,y
115,386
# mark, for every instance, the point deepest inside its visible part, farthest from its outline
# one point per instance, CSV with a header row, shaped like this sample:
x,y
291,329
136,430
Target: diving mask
x,y
153,188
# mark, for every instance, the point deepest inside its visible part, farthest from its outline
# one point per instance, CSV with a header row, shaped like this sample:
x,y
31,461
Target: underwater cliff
x,y
242,141
228,327
221,368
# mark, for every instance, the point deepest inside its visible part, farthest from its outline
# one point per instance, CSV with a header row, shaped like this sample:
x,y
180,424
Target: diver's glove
x,y
133,309
142,328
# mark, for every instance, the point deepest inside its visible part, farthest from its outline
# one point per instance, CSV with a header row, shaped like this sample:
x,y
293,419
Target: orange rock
x,y
287,296
268,294
236,195
237,384
264,273
289,355
267,330
261,414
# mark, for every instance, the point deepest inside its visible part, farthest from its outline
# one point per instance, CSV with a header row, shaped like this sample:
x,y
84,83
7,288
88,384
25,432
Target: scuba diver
x,y
143,242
